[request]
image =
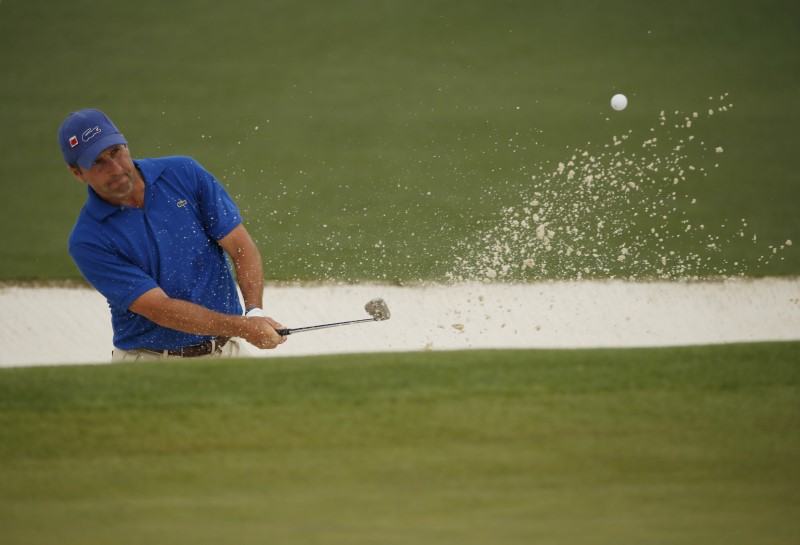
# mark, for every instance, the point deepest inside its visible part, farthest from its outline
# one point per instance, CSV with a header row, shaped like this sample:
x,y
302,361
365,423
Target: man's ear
x,y
77,172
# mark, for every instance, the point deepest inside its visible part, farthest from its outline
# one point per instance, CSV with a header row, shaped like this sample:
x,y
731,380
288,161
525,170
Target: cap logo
x,y
73,141
88,134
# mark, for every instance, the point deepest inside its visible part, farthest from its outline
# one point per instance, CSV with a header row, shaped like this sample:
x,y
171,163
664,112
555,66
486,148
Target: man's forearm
x,y
248,266
192,318
188,317
250,276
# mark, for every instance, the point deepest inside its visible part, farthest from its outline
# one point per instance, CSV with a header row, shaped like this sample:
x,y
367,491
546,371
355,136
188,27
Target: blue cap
x,y
85,134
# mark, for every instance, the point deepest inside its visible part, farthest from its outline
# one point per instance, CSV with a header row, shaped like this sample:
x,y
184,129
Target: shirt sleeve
x,y
120,281
220,214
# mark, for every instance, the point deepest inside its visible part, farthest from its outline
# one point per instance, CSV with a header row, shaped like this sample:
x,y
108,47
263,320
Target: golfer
x,y
153,238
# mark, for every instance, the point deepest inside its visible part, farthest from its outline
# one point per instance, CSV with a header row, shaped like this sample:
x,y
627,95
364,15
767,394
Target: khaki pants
x,y
234,348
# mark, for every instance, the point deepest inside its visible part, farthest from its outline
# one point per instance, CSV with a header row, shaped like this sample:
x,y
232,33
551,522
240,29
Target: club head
x,y
378,309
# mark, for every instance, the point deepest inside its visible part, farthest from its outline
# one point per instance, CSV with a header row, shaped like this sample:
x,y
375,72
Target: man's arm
x,y
158,307
247,264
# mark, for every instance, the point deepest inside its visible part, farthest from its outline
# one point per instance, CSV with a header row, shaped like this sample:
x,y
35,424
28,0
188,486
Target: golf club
x,y
377,308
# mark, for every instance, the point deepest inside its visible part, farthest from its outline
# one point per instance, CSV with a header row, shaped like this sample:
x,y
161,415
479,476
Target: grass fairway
x,y
684,445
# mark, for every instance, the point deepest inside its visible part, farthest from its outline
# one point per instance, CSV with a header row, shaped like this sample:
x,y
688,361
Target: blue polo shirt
x,y
170,243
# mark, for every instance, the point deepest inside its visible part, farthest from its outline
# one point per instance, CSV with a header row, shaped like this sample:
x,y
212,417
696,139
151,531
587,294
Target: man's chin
x,y
121,189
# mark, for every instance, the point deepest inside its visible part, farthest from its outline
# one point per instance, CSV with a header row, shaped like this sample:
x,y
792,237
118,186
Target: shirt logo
x,y
88,134
73,141
182,203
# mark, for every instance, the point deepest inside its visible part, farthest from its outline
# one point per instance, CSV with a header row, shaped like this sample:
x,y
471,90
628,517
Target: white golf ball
x,y
619,102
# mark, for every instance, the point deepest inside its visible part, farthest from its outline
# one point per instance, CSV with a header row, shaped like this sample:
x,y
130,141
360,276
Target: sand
x,y
56,325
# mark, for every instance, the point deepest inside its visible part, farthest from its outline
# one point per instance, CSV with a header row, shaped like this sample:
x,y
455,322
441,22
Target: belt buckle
x,y
197,350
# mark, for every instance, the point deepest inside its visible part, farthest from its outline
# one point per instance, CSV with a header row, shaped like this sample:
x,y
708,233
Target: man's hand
x,y
260,332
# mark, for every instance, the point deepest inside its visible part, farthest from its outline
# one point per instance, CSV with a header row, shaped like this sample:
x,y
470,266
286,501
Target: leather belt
x,y
197,350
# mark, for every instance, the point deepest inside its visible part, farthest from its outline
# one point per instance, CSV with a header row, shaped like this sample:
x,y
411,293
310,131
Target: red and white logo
x,y
73,141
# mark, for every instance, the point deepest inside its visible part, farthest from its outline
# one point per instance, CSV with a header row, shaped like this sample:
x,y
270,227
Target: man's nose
x,y
116,165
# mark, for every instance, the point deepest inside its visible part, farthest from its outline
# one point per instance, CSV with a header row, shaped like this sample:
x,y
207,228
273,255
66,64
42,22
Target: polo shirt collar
x,y
150,170
97,208
100,209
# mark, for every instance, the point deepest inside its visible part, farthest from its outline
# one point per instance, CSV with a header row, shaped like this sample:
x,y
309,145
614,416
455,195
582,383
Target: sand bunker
x,y
45,326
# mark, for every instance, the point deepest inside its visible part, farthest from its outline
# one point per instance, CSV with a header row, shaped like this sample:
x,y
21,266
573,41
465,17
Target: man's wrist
x,y
255,311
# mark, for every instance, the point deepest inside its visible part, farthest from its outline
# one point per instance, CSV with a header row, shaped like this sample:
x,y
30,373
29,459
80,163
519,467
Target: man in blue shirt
x,y
153,238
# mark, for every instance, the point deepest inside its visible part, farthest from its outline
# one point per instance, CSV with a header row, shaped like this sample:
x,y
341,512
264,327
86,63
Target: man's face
x,y
112,176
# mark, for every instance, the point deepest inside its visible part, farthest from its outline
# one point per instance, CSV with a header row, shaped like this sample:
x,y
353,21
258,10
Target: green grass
x,y
681,445
366,140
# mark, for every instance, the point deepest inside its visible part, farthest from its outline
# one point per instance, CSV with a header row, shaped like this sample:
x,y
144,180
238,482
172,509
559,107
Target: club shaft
x,y
289,331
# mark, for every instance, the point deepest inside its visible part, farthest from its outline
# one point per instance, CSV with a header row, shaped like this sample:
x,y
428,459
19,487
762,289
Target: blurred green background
x,y
372,140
